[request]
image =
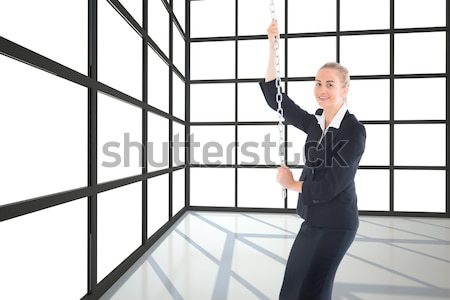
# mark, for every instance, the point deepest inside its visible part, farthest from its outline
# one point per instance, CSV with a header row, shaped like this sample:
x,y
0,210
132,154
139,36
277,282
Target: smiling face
x,y
329,89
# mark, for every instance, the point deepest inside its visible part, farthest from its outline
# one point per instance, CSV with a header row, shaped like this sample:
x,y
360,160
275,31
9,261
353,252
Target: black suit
x,y
327,203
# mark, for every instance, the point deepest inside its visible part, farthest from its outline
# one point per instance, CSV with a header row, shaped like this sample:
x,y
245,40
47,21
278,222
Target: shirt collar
x,y
337,119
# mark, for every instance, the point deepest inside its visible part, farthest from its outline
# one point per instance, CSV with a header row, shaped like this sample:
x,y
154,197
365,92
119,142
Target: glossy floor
x,y
212,255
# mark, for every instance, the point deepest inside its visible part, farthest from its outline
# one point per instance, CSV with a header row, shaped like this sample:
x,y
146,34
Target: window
x,y
179,46
422,52
134,8
402,92
178,191
420,99
362,15
179,9
119,52
158,25
119,139
296,146
366,54
212,18
212,102
158,81
419,13
258,188
369,198
251,104
311,16
252,58
179,144
119,226
158,142
376,152
212,145
44,125
413,186
212,187
419,144
368,99
258,145
178,97
260,16
56,267
64,44
157,203
307,55
212,60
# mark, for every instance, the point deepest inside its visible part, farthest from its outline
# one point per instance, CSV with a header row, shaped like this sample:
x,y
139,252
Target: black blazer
x,y
328,197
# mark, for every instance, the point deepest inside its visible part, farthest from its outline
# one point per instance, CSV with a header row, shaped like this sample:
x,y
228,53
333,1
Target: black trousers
x,y
313,262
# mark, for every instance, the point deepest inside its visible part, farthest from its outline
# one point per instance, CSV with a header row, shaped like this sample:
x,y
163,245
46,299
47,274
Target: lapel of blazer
x,y
330,139
337,132
333,134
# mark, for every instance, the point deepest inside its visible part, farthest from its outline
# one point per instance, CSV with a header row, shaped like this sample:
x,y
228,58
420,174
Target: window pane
x,y
179,49
66,44
212,102
362,15
252,105
422,52
420,144
119,226
254,17
178,144
311,16
428,194
304,59
179,9
43,254
369,99
212,145
253,56
420,99
419,13
296,146
119,139
158,203
375,50
119,52
293,195
212,60
134,8
376,152
259,188
158,81
368,197
258,145
178,191
212,18
158,139
158,24
302,92
178,97
205,184
44,128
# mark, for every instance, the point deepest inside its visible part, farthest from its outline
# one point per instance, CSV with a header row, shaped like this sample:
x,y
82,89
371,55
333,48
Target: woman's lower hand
x,y
285,177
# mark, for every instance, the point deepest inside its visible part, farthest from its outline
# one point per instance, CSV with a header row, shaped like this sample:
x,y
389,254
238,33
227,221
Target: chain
x,y
279,97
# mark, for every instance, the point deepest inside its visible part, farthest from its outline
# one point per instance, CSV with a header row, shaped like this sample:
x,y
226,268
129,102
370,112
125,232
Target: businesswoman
x,y
327,199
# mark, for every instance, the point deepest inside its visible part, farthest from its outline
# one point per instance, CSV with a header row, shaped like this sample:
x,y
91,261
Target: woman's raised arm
x,y
292,113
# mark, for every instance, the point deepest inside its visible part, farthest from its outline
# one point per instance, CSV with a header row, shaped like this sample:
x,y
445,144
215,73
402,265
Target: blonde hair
x,y
345,75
